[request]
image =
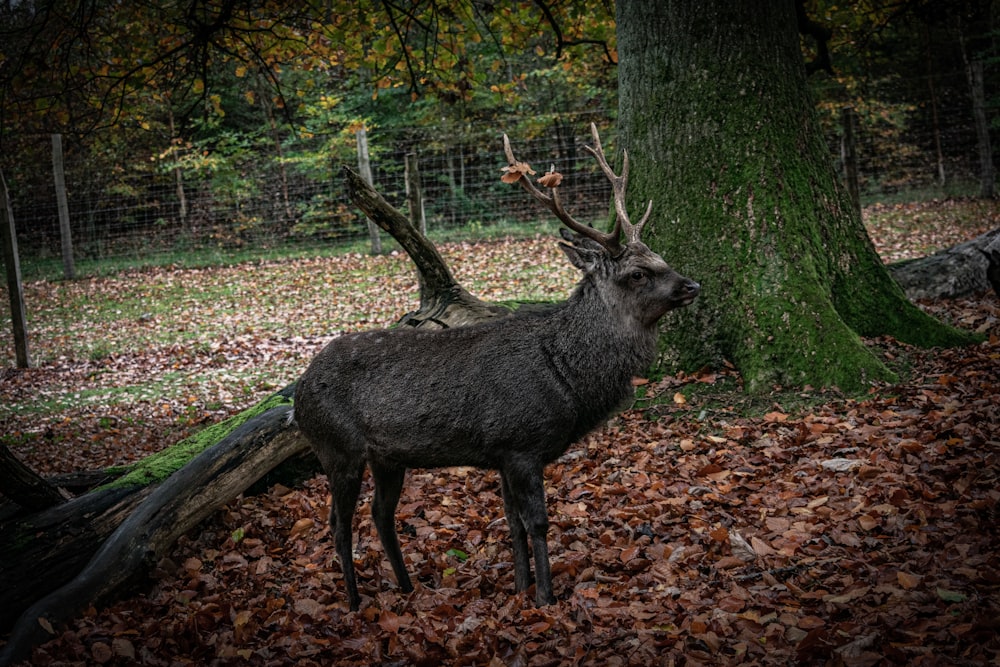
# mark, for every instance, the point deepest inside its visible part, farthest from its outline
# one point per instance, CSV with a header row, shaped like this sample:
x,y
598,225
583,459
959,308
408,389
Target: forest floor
x,y
697,528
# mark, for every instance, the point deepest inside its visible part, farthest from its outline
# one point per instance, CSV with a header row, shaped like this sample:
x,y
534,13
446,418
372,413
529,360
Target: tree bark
x,y
987,178
715,114
12,269
20,484
364,166
62,205
58,543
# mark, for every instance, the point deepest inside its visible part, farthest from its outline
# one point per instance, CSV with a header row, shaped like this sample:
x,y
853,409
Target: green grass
x,y
143,390
194,257
950,190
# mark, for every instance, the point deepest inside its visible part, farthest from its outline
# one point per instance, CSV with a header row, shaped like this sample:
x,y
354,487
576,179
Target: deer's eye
x,y
638,277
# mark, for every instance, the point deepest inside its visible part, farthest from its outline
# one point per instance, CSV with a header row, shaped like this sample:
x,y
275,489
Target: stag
x,y
510,394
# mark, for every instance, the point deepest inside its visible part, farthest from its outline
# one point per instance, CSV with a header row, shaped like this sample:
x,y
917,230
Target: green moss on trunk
x,y
722,134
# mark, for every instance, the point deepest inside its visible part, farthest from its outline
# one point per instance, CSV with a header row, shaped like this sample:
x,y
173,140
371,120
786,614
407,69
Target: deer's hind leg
x,y
524,503
388,486
344,471
518,535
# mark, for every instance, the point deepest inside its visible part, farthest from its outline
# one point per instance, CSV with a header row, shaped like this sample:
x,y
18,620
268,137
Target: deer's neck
x,y
597,337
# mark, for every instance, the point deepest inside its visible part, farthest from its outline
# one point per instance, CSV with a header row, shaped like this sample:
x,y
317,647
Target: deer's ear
x,y
581,256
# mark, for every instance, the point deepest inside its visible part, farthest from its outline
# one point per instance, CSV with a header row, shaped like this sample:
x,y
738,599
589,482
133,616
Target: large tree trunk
x,y
715,114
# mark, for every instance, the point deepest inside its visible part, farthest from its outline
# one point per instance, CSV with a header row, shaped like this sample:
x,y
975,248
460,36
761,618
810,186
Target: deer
x,y
510,394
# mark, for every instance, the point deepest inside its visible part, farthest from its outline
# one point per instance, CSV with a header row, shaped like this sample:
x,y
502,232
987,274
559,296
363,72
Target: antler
x,y
619,184
609,240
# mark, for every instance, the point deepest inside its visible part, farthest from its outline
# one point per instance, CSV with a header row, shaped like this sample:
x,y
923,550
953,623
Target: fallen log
x,y
25,487
174,507
57,543
953,273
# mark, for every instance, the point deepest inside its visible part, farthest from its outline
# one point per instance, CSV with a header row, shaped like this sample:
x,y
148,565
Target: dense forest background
x,y
221,125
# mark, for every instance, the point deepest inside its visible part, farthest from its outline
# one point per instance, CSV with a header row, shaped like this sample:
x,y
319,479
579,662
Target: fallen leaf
x,y
907,580
951,596
301,527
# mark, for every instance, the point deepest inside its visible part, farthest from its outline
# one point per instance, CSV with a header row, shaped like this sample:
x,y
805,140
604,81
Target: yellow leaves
x,y
241,71
328,102
250,97
216,102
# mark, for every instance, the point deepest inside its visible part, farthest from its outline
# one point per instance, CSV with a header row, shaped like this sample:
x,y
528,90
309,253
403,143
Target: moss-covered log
x,y
44,550
167,511
60,540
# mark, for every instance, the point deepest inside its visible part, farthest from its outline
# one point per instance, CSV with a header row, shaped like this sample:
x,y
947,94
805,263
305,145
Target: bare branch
x,y
562,43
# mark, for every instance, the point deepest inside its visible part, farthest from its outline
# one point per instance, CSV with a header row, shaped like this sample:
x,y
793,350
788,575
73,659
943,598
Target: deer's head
x,y
628,273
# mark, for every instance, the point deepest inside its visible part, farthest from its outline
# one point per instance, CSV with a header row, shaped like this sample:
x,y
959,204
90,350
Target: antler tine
x,y
619,185
554,204
524,180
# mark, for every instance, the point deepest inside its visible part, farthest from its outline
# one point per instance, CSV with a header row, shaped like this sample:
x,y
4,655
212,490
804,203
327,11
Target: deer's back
x,y
469,396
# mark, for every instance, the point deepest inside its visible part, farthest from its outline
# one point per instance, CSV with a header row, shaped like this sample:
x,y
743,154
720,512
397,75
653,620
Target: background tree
x,y
905,69
714,109
184,86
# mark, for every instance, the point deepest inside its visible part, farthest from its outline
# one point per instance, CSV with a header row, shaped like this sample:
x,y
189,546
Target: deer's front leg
x,y
527,490
518,536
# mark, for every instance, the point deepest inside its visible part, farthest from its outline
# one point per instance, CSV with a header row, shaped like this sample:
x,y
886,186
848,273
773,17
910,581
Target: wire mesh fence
x,y
266,200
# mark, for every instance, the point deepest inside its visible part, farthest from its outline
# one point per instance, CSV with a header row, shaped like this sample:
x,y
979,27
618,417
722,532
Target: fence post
x,y
69,269
8,238
849,156
414,197
365,169
175,144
